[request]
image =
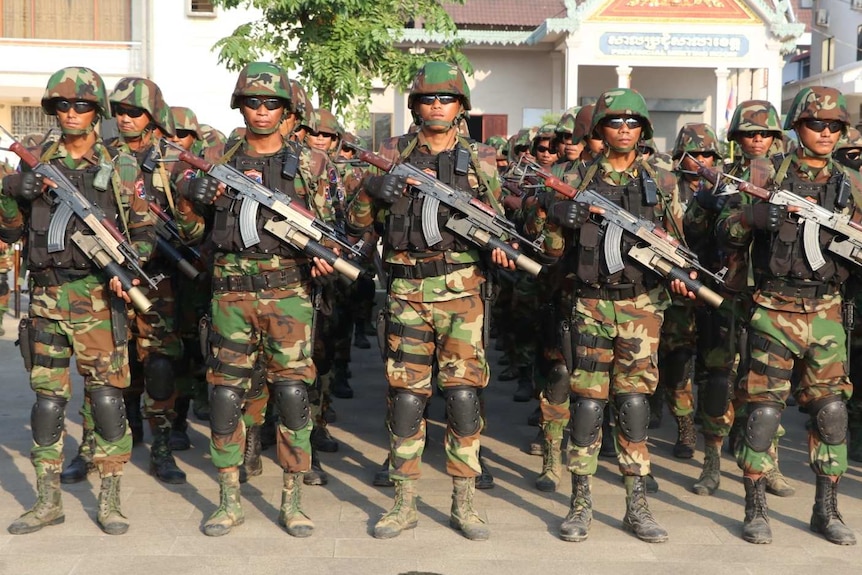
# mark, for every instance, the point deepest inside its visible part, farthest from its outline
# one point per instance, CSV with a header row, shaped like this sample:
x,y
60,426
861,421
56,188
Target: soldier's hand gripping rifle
x,y
847,242
472,220
106,247
657,250
296,226
166,235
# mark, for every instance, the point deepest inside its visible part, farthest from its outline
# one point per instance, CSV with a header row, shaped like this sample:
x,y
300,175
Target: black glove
x,y
569,214
27,186
202,190
764,216
710,198
386,189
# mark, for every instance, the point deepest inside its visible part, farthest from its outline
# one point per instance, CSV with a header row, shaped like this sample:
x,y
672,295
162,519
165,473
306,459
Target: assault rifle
x,y
656,251
166,235
295,225
472,220
106,246
848,240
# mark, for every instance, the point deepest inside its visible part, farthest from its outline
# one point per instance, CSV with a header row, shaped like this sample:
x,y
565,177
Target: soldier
x,y
567,149
262,300
615,318
435,309
847,153
500,144
74,305
797,315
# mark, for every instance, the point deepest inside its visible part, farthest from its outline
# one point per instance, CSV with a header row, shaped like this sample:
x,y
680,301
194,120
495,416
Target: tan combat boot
x,y
710,477
110,517
463,516
403,514
292,517
48,509
776,483
229,512
552,465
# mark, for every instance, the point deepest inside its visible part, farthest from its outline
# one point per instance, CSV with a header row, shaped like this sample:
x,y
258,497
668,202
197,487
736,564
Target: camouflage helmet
x,y
696,137
583,123
300,102
76,83
328,123
545,132
185,119
500,144
622,102
851,140
351,141
261,79
754,116
144,94
819,103
648,145
211,136
566,125
440,78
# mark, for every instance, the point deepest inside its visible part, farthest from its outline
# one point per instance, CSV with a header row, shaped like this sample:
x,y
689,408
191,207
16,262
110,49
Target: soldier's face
x,y
596,146
688,161
756,144
621,135
184,138
545,153
131,118
818,136
321,140
437,111
261,117
72,120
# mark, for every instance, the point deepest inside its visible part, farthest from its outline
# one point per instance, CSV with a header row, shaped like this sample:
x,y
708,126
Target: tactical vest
x,y
404,220
267,170
590,264
43,209
785,258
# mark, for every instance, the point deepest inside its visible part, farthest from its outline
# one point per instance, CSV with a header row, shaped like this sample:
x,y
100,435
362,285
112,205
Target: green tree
x,y
338,47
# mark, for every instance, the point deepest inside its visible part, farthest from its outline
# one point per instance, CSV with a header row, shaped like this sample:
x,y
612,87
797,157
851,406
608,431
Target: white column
x,y
719,123
401,117
571,72
624,76
557,81
774,85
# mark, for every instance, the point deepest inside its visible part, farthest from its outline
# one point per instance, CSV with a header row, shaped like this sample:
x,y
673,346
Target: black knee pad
x,y
587,416
633,415
557,389
4,284
406,411
47,418
829,418
109,412
225,408
462,410
717,392
291,400
159,376
762,424
674,368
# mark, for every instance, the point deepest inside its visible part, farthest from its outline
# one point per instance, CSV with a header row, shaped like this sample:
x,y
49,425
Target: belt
x,y
425,269
614,293
798,290
263,281
57,276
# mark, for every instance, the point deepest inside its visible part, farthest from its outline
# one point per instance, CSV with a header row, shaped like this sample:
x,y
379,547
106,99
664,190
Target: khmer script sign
x,y
673,44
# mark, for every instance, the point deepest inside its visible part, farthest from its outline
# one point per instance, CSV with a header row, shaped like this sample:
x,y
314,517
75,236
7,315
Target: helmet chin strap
x,y
78,131
812,154
134,135
268,131
622,150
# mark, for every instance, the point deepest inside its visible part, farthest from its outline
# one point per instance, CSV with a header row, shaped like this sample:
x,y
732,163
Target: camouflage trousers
x,y
455,344
815,339
524,317
630,365
192,303
6,266
678,339
277,324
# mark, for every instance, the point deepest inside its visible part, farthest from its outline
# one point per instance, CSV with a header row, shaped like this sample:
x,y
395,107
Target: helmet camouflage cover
x,y
696,137
328,123
440,78
144,94
851,140
212,137
566,125
754,116
583,123
819,103
261,79
500,144
622,102
300,101
185,119
76,83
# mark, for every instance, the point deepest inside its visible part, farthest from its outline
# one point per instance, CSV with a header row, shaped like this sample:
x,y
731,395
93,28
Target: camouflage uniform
x,y
796,319
7,255
71,307
435,313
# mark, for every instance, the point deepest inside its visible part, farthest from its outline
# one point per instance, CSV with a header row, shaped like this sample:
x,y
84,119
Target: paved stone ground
x,y
166,536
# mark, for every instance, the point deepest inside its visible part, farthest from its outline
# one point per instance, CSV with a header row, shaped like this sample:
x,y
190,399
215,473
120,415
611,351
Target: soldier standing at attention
x,y
435,309
73,304
796,318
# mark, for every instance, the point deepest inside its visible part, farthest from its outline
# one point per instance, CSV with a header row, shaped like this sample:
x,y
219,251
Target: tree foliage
x,y
337,47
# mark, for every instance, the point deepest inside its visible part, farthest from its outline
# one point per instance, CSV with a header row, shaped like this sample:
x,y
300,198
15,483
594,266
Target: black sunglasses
x,y
253,103
130,111
543,149
820,125
185,133
323,135
617,123
762,133
443,98
701,154
80,106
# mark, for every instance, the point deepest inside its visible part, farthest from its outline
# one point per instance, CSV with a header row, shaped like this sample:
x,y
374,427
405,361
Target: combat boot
x,y
536,445
755,527
508,374
484,480
110,517
82,464
552,465
825,517
179,438
322,440
776,483
201,403
251,466
162,462
403,514
48,509
340,386
292,517
360,340
463,516
638,518
381,476
535,418
269,429
656,409
854,447
134,418
229,513
710,477
686,439
576,525
524,392
316,475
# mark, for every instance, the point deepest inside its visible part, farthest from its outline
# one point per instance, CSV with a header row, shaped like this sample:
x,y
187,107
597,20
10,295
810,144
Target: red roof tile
x,y
505,13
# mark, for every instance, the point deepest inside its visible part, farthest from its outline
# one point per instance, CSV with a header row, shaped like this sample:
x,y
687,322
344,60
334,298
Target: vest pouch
x,y
223,232
398,225
589,257
782,249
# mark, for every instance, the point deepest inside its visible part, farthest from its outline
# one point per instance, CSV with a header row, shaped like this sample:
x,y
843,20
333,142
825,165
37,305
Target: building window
x,y
28,120
827,54
201,8
88,20
380,130
808,4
